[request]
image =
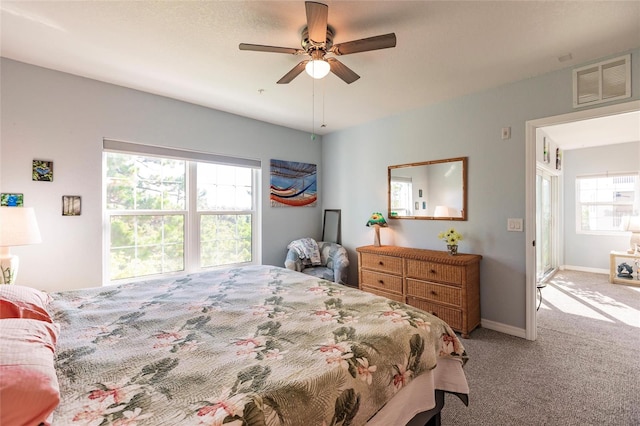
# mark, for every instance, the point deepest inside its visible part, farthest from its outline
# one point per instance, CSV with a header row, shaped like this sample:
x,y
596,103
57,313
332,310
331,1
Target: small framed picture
x,y
71,205
419,192
42,171
11,200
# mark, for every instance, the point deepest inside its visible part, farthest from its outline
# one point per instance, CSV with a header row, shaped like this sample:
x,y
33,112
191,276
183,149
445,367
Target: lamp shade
x,y
631,223
18,226
318,68
377,219
441,211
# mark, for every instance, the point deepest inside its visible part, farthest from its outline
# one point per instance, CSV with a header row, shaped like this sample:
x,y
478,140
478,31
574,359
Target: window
x,y
401,189
603,200
169,211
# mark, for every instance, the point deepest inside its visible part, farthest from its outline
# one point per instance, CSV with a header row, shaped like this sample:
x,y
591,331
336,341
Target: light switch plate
x,y
515,224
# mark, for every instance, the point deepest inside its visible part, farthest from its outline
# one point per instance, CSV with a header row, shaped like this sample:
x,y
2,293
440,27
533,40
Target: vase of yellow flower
x,y
451,237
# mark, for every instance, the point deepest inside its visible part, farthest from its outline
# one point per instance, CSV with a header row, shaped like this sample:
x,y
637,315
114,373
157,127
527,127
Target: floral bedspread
x,y
257,345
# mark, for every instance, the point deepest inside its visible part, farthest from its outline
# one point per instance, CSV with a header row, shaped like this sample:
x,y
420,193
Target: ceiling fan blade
x,y
317,15
364,45
342,71
295,71
274,49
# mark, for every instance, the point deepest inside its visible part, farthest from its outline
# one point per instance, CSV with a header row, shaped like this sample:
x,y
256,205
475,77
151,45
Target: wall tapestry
x,y
293,184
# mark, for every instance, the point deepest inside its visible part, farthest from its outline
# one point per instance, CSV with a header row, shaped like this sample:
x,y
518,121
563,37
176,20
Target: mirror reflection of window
x,y
401,190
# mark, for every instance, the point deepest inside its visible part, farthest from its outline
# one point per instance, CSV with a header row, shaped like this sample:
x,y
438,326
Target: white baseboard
x,y
503,328
585,269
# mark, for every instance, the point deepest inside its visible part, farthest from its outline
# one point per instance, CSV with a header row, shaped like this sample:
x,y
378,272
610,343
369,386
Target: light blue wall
x,y
60,117
469,126
63,118
592,251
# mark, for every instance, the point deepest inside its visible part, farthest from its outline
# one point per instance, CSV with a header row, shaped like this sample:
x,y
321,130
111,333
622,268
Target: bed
x,y
255,345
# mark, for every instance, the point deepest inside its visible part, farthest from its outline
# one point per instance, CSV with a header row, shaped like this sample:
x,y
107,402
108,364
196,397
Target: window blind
x,y
182,154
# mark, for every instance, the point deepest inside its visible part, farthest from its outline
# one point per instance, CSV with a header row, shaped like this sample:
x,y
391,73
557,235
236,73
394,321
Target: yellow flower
x,y
450,236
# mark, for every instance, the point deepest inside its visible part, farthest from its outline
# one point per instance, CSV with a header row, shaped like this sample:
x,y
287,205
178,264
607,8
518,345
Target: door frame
x,y
531,126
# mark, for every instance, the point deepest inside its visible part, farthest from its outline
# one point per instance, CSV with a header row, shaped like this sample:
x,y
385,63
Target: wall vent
x,y
602,82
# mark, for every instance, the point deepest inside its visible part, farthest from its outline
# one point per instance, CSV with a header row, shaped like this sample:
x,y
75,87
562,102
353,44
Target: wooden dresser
x,y
443,285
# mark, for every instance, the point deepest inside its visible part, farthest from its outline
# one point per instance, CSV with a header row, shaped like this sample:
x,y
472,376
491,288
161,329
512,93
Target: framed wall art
x,y
71,205
293,184
546,155
11,200
42,171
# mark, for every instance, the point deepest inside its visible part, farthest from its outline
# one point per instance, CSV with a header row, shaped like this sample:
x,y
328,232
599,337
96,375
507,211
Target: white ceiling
x,y
188,50
599,131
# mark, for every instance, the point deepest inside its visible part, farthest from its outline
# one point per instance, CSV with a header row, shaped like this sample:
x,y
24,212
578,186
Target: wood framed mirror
x,y
331,226
430,190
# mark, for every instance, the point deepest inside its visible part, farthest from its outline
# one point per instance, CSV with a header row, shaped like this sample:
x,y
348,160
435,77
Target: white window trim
x,y
191,246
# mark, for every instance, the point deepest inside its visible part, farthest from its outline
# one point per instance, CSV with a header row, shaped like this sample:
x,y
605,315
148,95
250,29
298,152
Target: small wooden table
x,y
618,257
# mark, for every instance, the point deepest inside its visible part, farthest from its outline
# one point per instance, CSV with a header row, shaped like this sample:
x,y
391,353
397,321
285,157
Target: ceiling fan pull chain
x,y
324,91
313,109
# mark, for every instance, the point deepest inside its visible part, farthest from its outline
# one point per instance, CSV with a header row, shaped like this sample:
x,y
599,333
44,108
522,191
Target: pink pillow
x,y
9,309
29,390
19,293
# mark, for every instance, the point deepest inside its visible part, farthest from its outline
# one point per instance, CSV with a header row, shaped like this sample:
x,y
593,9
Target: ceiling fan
x,y
317,43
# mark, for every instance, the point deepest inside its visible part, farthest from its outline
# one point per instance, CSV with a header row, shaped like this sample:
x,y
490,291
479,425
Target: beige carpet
x,y
582,370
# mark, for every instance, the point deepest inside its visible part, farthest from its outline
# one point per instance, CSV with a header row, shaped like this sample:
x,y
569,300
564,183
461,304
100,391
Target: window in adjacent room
x,y
171,211
603,200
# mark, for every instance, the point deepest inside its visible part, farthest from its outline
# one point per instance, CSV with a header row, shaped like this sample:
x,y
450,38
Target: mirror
x,y
331,226
434,190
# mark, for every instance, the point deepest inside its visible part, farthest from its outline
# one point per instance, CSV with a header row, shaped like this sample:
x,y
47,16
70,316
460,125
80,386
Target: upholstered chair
x,y
334,263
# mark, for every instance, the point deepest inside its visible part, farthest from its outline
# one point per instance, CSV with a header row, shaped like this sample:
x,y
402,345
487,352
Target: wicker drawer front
x,y
434,271
388,264
392,296
389,283
435,292
451,316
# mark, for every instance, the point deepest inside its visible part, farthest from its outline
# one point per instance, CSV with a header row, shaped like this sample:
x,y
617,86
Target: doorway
x,y
530,195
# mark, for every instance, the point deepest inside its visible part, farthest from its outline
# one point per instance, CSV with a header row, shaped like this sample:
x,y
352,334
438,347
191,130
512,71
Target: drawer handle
x,y
433,271
434,314
381,263
381,281
434,293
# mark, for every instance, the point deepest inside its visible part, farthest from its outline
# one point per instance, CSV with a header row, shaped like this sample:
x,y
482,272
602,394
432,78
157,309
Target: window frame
x,y
402,181
578,209
192,216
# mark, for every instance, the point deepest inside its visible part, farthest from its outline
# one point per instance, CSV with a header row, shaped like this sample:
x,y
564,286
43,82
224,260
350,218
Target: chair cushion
x,y
320,272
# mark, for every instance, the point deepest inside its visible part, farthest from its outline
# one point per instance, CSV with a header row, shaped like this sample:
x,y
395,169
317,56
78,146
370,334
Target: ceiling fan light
x,y
318,68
